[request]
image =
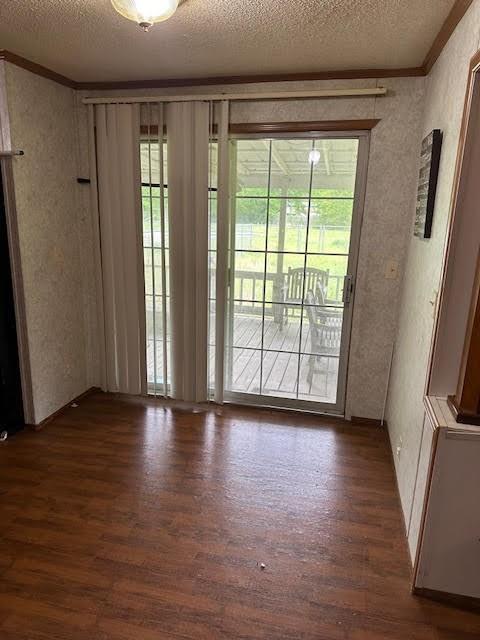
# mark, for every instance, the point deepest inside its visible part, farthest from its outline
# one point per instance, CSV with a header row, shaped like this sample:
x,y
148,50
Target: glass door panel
x,y
294,205
153,162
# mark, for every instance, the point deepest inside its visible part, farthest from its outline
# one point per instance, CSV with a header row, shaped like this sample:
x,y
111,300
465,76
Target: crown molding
x,y
37,69
163,83
457,12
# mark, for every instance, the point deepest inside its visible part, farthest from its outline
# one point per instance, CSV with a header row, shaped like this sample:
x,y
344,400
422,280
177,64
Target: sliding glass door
x,y
296,206
156,258
295,215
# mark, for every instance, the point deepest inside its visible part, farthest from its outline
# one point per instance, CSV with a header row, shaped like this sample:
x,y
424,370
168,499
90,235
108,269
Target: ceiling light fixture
x,y
145,12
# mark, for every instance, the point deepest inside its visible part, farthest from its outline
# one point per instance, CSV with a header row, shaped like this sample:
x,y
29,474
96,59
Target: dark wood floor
x,y
123,519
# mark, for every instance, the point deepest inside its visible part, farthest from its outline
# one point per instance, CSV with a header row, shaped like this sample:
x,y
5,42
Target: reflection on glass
x,y
321,330
318,379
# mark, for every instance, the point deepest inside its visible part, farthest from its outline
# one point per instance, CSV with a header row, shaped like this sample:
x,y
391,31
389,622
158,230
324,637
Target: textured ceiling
x,y
87,40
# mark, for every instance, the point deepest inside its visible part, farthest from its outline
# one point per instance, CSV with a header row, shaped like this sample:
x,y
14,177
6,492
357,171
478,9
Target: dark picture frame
x,y
427,183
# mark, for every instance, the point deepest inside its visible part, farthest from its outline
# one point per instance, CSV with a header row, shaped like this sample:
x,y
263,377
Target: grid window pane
x,y
330,225
279,374
253,167
335,172
287,224
153,271
291,167
250,223
322,330
152,226
281,330
330,271
284,277
318,379
249,275
212,275
246,328
212,214
243,374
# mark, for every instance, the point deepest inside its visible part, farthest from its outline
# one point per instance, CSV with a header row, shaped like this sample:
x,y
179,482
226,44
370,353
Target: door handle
x,y
347,289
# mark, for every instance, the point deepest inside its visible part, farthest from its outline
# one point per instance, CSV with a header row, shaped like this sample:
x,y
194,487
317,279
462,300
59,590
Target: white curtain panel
x,y
120,216
188,158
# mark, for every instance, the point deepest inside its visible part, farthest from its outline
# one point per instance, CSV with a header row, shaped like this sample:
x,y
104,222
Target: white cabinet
x,y
424,465
448,555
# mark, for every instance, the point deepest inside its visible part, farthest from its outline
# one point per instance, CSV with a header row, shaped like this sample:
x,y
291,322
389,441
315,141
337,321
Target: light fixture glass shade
x,y
146,12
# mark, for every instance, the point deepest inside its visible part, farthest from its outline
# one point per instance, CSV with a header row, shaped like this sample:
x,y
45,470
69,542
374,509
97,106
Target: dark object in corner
x,y
83,180
427,183
11,401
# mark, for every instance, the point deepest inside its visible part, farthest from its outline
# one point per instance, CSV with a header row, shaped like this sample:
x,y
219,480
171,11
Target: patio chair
x,y
316,280
325,331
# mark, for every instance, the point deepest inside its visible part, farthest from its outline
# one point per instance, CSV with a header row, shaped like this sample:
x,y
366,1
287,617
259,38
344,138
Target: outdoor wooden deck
x,y
275,374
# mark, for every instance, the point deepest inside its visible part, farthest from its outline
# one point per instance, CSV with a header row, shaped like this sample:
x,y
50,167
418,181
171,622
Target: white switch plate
x,y
400,447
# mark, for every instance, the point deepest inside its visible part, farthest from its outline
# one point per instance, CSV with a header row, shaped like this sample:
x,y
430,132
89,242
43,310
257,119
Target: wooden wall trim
x,y
303,127
466,402
164,83
348,74
457,12
455,403
76,400
242,128
432,423
6,171
460,602
368,422
473,68
37,69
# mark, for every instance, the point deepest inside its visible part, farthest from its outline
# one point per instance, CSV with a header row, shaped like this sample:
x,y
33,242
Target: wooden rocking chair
x,y
325,331
292,292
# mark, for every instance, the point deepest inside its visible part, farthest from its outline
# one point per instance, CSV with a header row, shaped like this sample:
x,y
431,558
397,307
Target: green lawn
x,y
329,233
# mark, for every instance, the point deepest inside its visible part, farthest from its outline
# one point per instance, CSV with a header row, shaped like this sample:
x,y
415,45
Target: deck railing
x,y
249,291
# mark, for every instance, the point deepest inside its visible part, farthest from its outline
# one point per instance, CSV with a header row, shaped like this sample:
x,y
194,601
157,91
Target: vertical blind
x,y
118,178
154,162
187,140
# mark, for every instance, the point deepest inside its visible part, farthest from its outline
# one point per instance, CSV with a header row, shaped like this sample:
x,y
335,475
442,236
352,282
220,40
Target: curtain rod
x,y
9,154
275,95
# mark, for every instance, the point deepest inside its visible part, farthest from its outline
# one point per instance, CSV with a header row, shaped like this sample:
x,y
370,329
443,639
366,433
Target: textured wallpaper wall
x,y
51,236
56,238
388,209
445,92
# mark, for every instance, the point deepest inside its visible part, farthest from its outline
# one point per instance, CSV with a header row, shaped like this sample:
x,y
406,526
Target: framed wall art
x,y
427,183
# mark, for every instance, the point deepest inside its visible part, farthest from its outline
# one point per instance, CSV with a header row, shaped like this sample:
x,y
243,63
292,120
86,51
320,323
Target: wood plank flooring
x,y
128,519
